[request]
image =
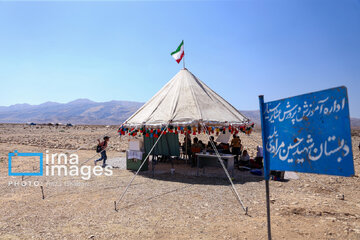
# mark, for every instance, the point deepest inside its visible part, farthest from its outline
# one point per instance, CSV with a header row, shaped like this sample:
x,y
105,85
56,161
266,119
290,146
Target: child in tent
x,y
226,148
258,161
103,145
209,147
186,147
202,145
244,159
196,147
236,147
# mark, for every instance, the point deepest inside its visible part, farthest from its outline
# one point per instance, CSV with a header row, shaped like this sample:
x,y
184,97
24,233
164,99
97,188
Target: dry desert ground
x,y
166,206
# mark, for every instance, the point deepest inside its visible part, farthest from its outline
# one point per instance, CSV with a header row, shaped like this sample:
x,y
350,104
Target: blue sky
x,y
61,51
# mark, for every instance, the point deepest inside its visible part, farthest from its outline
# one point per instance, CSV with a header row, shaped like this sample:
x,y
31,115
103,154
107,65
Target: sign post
x,y
308,133
266,168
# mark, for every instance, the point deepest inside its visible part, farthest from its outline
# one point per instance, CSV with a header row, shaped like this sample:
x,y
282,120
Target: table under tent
x,y
185,105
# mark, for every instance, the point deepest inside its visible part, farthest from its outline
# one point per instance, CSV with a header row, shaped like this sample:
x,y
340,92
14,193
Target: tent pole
x,y
169,156
226,171
127,187
186,145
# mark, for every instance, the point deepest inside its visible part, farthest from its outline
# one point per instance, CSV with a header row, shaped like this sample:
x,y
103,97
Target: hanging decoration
x,y
194,130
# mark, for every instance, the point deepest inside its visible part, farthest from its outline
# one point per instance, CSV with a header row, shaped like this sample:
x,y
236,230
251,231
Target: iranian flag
x,y
178,54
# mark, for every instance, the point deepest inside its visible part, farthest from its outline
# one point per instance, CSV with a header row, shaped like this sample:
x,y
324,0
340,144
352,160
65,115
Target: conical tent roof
x,y
185,100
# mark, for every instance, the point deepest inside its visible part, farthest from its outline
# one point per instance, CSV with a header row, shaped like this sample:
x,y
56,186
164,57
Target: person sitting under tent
x,y
196,147
224,148
186,147
258,161
209,147
103,145
236,147
220,147
244,159
202,144
212,139
259,156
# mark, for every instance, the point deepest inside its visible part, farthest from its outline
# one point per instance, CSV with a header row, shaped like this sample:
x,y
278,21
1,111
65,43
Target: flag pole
x,y
184,56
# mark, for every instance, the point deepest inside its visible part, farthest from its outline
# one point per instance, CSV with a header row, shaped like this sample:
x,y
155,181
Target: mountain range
x,y
80,111
85,111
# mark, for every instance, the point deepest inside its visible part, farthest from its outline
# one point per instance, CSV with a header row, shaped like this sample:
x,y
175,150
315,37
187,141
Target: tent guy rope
x,y
226,171
132,179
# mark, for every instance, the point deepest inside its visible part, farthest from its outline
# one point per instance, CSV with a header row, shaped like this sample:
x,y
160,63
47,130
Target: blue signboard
x,y
308,133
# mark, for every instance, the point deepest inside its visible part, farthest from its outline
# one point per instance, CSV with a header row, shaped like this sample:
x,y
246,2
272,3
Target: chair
x,y
194,150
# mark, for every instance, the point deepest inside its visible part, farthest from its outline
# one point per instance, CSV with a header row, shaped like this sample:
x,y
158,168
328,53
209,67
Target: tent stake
x,y
42,191
115,206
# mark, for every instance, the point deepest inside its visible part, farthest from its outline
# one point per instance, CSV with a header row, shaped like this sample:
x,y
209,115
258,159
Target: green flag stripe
x,y
178,49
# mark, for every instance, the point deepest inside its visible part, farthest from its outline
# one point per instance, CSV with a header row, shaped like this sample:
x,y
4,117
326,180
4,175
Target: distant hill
x,y
255,117
355,122
85,111
81,111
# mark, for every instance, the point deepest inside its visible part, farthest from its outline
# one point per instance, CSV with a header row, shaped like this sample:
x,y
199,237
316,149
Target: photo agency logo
x,y
16,156
56,164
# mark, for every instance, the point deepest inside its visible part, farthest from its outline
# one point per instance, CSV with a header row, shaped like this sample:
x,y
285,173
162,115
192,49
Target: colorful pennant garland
x,y
156,132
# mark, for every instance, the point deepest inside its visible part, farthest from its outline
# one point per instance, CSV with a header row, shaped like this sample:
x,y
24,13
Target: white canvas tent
x,y
185,100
